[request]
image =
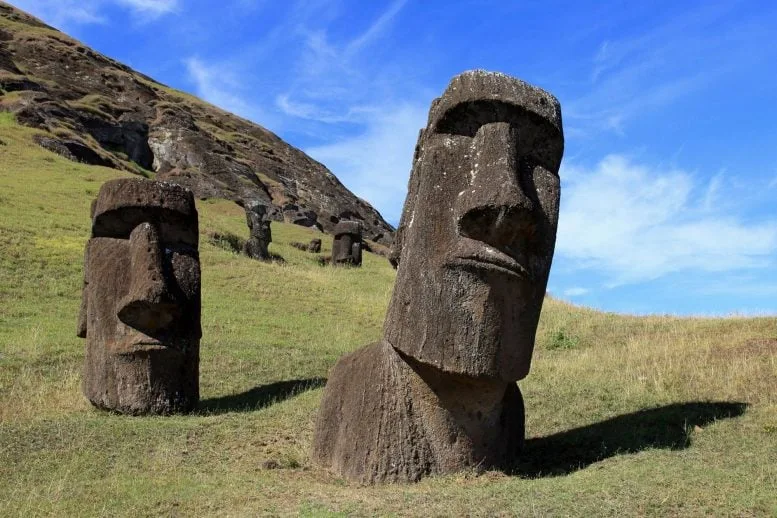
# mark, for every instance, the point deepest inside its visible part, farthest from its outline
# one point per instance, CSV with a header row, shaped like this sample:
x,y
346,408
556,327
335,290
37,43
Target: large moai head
x,y
140,309
347,243
259,226
478,228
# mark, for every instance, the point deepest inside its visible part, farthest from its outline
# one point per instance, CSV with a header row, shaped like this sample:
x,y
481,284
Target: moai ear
x,y
82,314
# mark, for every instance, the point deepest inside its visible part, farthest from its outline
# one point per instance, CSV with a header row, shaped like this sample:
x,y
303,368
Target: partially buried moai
x,y
438,393
261,235
140,309
347,243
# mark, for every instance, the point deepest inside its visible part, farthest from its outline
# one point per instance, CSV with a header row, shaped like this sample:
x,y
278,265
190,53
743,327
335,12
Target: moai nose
x,y
148,306
495,208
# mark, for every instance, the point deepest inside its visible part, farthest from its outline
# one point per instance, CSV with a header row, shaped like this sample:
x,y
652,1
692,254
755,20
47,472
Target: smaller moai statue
x,y
347,244
140,306
314,246
261,235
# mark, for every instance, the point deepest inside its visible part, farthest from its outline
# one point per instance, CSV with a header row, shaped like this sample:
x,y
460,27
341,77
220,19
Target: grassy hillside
x,y
625,415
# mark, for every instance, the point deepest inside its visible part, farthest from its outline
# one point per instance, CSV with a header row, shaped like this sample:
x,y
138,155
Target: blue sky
x,y
669,178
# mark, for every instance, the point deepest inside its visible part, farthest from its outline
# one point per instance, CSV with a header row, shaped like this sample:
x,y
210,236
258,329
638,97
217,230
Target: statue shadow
x,y
666,427
258,397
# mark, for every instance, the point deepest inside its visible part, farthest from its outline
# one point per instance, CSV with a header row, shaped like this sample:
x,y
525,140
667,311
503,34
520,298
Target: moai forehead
x,y
256,207
353,228
478,97
124,203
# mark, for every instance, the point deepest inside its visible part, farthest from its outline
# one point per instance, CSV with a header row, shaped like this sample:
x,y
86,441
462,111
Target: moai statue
x,y
438,393
314,246
140,308
347,244
261,235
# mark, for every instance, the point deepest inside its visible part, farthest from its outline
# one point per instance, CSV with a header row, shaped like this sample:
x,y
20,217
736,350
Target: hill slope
x,y
625,416
102,112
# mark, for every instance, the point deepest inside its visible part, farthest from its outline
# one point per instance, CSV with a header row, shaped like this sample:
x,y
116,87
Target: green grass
x,y
620,416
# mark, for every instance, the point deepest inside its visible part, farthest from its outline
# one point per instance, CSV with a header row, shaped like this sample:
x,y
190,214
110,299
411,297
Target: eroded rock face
x,y
347,243
261,235
474,249
99,111
140,309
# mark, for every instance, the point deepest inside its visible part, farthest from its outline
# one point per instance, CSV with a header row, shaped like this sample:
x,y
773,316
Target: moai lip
x,y
261,236
347,243
474,247
140,309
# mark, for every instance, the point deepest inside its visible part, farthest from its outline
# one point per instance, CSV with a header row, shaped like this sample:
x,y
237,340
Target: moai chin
x,y
438,393
140,307
347,243
261,235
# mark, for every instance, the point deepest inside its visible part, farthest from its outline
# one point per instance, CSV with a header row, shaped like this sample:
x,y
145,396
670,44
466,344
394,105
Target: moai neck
x,y
475,405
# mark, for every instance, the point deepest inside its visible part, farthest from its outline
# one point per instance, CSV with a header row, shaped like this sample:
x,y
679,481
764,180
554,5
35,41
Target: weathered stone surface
x,y
261,235
140,309
127,120
347,243
474,250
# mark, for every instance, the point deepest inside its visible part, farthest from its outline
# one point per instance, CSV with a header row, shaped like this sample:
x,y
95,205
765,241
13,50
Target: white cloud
x,y
152,8
375,164
635,223
214,84
574,292
642,72
63,13
219,84
374,31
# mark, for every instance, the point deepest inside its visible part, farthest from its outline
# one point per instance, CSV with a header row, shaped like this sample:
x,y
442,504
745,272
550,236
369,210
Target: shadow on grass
x,y
258,397
666,427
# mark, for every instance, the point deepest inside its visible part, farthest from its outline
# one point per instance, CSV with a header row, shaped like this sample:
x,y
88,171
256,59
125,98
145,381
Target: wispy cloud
x,y
574,292
62,13
219,84
65,13
374,30
634,223
667,62
153,8
375,163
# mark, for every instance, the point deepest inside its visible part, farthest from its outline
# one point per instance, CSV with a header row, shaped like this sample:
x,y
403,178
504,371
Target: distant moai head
x,y
347,244
140,310
314,246
258,221
478,228
259,226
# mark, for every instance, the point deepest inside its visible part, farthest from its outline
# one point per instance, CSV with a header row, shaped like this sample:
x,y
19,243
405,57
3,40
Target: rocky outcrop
x,y
131,122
